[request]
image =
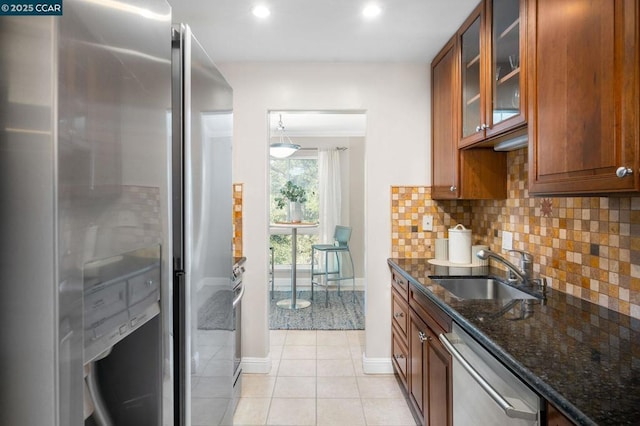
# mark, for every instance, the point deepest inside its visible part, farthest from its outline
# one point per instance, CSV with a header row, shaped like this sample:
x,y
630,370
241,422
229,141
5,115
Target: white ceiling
x,y
322,30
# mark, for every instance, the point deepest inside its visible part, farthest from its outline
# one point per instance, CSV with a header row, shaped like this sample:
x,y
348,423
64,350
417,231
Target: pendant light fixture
x,y
285,147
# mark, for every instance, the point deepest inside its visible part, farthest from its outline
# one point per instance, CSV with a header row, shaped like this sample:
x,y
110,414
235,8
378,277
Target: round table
x,y
293,302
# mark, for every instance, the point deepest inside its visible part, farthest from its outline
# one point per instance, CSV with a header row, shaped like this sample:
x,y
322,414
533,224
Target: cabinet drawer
x,y
399,356
400,313
430,313
400,284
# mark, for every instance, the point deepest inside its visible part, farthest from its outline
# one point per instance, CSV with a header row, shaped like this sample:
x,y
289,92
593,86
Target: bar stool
x,y
333,272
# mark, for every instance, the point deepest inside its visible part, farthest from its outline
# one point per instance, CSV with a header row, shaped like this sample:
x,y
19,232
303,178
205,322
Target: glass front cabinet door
x,y
492,95
472,74
506,103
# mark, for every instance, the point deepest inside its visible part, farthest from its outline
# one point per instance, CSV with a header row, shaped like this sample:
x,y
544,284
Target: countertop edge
x,y
544,389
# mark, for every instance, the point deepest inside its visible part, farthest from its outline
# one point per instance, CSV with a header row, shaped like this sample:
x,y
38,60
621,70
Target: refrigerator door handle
x,y
238,298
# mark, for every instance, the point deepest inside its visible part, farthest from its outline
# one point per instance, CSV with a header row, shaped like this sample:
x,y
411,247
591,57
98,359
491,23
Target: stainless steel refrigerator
x,y
85,270
90,190
205,321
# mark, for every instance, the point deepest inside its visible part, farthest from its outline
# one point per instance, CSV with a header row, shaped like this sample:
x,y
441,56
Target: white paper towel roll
x,y
459,244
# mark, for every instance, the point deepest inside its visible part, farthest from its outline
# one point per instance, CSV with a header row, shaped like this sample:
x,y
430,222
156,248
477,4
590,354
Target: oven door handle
x,y
506,406
238,298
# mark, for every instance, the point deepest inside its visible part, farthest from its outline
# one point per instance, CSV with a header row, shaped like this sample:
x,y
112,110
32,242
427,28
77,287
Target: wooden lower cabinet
x,y
556,418
439,392
400,358
421,362
399,324
418,358
429,374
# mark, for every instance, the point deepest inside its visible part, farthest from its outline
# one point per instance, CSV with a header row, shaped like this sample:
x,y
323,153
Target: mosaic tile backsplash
x,y
588,247
237,219
127,220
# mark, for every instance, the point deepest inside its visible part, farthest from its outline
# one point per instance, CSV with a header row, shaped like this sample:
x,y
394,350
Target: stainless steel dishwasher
x,y
485,392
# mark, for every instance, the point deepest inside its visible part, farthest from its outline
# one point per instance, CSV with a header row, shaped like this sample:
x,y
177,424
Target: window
x,y
301,169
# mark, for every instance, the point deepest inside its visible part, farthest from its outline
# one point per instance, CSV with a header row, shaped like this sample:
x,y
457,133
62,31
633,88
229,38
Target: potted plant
x,y
293,195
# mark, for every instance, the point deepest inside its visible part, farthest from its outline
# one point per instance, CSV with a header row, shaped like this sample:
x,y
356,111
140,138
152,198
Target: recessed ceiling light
x,y
371,11
261,11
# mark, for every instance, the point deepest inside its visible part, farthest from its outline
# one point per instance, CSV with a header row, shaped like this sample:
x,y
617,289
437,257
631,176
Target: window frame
x,y
305,154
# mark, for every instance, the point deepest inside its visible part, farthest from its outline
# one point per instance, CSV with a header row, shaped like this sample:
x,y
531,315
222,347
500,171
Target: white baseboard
x,y
284,284
256,365
376,365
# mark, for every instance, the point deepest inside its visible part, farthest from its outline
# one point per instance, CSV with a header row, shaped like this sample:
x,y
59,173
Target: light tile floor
x,y
317,379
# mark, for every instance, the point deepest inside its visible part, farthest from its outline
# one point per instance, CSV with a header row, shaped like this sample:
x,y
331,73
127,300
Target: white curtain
x,y
329,191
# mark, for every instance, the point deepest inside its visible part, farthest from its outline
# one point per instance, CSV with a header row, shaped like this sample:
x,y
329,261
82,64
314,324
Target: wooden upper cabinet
x,y
492,95
472,76
584,82
444,119
458,174
506,55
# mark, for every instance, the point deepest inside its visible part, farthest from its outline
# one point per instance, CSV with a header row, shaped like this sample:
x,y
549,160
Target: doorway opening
x,y
328,170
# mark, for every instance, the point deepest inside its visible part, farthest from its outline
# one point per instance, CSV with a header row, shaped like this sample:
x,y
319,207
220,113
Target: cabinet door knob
x,y
422,337
400,356
452,188
624,171
481,127
398,315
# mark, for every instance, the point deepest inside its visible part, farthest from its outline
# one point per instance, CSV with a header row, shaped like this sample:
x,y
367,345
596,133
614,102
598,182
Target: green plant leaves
x,y
291,192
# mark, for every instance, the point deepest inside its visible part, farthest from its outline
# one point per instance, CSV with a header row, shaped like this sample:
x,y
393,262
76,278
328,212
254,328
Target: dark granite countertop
x,y
239,261
583,358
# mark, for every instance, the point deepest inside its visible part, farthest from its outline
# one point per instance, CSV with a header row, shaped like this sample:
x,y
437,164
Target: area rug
x,y
343,312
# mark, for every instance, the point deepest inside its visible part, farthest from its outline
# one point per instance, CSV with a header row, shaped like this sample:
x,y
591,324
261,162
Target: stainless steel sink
x,y
481,288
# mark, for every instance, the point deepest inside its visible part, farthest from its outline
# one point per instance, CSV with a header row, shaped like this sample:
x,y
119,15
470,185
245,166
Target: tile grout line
x,y
347,344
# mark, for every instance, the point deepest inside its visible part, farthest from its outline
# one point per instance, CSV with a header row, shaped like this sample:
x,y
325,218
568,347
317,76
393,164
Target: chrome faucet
x,y
522,273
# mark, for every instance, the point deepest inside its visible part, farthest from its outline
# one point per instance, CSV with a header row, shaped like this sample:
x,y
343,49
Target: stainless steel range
x,y
238,293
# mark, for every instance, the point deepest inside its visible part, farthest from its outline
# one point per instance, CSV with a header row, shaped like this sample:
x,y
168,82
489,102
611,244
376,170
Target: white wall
x,y
396,100
356,202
